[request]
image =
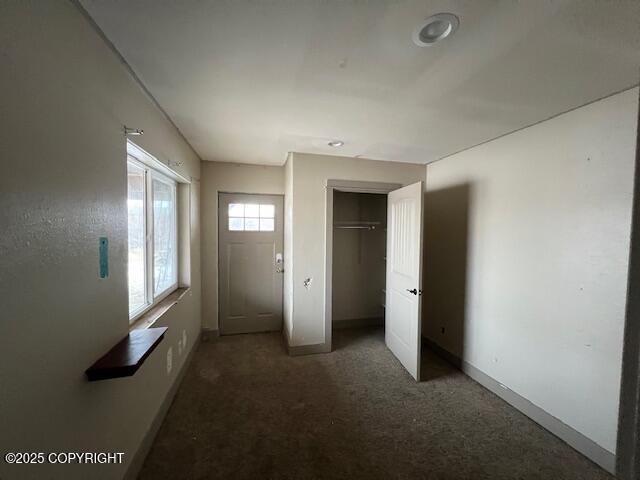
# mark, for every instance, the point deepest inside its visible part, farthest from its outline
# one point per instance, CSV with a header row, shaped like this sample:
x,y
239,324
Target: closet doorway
x,y
359,259
374,262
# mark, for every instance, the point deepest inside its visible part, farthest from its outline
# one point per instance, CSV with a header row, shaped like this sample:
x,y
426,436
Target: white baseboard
x,y
575,439
145,446
296,350
209,334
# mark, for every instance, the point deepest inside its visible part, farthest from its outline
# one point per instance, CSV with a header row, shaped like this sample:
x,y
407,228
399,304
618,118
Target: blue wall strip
x,y
104,257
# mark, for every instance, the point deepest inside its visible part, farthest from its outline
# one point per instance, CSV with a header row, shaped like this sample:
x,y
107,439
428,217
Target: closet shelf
x,y
355,222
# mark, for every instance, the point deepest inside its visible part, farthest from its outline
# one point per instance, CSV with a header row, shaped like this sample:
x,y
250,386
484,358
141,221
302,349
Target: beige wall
x,y
309,179
526,253
62,186
233,178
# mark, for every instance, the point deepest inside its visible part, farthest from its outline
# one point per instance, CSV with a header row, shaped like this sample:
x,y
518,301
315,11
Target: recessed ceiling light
x,y
335,143
435,28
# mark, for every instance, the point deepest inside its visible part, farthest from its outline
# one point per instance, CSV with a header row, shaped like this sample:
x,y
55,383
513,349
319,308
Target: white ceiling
x,y
250,80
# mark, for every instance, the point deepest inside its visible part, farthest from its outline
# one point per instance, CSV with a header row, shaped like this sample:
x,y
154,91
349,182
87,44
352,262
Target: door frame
x,y
352,186
628,441
218,332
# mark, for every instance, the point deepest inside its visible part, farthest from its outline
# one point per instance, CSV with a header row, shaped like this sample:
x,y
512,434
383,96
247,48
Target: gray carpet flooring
x,y
246,410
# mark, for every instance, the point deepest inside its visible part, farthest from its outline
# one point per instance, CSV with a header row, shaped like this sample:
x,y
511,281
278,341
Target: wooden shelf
x,y
127,356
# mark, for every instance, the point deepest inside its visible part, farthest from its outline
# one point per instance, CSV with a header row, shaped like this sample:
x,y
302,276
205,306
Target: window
x,y
164,236
152,235
137,243
251,217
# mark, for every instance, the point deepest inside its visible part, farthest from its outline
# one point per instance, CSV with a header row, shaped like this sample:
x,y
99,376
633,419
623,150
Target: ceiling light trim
x,y
435,28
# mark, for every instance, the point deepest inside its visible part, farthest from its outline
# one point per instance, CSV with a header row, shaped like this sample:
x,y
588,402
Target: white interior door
x,y
250,262
404,276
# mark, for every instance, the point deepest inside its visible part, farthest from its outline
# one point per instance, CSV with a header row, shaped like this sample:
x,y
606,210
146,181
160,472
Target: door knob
x,y
414,291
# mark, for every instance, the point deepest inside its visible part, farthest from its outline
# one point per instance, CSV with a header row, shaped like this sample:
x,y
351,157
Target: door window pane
x,y
165,273
236,224
136,237
266,224
251,224
267,211
252,210
236,209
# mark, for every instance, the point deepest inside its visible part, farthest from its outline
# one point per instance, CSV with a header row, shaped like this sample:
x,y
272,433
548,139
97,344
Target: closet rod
x,y
356,227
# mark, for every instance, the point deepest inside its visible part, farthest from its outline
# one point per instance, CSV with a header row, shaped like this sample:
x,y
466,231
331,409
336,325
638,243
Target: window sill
x,y
150,317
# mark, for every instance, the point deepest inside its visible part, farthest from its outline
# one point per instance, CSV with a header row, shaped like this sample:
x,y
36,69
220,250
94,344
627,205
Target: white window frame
x,y
155,175
151,174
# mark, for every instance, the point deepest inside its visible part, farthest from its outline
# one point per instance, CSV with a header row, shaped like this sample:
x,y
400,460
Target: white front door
x,y
250,262
404,276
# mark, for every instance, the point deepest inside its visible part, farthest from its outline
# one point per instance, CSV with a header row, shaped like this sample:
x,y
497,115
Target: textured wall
x,y
526,255
310,174
66,97
234,178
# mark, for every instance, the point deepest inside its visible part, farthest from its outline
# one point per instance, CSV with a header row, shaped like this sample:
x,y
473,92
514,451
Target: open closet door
x,y
404,276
